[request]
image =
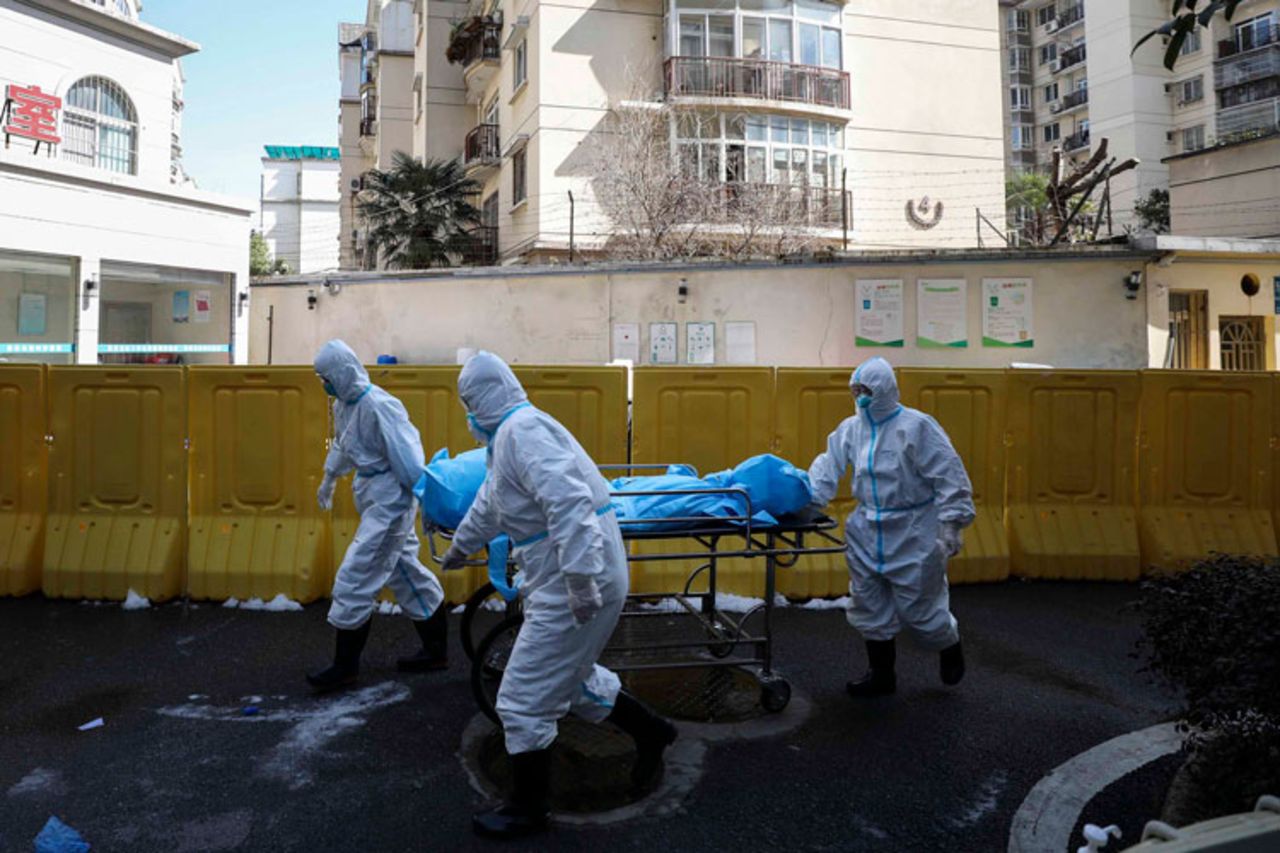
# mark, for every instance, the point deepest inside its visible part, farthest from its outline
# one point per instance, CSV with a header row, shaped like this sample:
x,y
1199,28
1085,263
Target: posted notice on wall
x,y
879,313
32,314
941,312
1006,313
662,343
626,342
700,343
181,306
203,307
740,343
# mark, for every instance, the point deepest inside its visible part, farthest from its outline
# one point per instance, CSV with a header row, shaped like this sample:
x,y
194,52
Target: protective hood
x,y
877,374
337,363
489,389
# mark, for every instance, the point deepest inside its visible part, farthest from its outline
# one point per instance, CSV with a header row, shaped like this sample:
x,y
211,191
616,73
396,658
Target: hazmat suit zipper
x,y
875,489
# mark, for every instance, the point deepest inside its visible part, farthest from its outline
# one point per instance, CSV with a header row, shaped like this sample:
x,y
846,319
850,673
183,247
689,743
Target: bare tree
x,y
662,204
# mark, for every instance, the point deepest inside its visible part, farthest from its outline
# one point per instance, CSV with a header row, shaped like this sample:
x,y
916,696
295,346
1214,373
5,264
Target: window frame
x,y
519,177
794,17
520,65
95,121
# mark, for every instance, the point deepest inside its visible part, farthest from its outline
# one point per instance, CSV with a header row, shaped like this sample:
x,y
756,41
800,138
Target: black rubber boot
x,y
652,734
527,813
881,679
346,660
434,632
951,667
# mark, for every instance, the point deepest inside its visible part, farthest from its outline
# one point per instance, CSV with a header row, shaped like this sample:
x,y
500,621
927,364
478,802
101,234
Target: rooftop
x,y
302,152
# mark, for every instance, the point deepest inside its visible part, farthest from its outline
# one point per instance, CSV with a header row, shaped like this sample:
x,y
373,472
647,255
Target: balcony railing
x,y
1075,99
482,247
1070,58
1248,120
722,77
481,145
368,127
1247,40
1076,141
1070,15
475,40
781,204
1246,68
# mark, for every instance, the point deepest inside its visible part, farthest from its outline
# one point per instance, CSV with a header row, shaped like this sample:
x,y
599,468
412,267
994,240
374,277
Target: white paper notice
x,y
1006,313
941,315
626,342
700,343
662,343
740,343
203,306
879,313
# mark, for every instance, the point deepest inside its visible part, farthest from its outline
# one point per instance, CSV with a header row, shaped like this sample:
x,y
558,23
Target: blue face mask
x,y
478,432
329,389
864,402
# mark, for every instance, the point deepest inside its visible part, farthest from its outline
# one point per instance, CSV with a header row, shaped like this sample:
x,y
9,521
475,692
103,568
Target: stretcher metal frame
x,y
729,640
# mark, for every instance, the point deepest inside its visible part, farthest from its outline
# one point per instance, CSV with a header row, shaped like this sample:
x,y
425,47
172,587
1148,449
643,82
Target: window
x,y
1244,343
1052,132
772,149
519,177
1051,93
1022,137
1254,33
1019,21
1188,347
1191,44
1191,90
1020,97
1045,14
1020,59
1048,53
520,70
100,126
1193,138
804,32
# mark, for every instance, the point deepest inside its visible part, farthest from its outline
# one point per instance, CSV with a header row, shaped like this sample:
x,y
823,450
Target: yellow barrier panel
x,y
809,405
1204,466
257,456
591,402
711,418
23,477
970,405
1073,447
118,482
430,395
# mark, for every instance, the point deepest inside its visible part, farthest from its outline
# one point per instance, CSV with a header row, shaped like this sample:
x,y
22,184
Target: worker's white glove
x,y
454,558
324,497
950,539
584,597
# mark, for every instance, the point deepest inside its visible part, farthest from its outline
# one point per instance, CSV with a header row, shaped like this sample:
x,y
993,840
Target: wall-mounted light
x,y
312,299
241,298
88,288
1132,284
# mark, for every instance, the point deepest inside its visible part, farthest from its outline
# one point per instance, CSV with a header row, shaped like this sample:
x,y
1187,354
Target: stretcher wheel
x,y
775,693
719,647
469,632
490,662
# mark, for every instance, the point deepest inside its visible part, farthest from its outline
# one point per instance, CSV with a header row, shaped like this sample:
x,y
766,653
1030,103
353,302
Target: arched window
x,y
100,126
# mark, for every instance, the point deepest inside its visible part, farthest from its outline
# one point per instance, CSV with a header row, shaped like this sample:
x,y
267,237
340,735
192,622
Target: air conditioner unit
x,y
355,185
1055,66
1051,25
1055,107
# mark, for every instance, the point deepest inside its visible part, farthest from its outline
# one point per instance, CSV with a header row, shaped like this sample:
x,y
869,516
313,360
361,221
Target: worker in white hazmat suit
x,y
545,493
914,499
374,437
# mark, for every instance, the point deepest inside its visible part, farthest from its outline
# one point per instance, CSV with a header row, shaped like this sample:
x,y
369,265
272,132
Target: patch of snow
x,y
280,604
493,603
196,697
460,609
37,781
663,605
251,700
231,603
389,608
841,603
986,800
92,724
135,602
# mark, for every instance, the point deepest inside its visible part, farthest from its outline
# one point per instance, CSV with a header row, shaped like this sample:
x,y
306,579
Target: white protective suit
x,y
909,482
544,491
373,436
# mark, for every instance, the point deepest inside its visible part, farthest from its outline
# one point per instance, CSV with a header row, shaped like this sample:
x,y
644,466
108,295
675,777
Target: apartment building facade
x,y
298,208
782,92
1071,78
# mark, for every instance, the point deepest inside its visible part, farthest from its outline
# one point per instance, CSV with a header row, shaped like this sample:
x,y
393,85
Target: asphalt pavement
x,y
179,765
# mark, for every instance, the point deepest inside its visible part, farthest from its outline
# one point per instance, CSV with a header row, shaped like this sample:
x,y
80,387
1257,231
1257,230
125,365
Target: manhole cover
x,y
590,767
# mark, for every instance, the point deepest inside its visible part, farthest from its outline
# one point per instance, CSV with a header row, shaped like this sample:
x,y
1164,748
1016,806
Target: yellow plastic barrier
x,y
591,402
23,477
257,456
1204,461
970,405
1073,447
118,482
809,404
711,418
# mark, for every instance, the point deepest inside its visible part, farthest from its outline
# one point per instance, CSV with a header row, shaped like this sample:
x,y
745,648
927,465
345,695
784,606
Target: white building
x,y
299,206
106,252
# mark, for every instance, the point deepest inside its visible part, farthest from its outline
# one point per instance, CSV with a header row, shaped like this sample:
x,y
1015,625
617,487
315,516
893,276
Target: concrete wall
x,y
395,107
803,314
1227,192
446,117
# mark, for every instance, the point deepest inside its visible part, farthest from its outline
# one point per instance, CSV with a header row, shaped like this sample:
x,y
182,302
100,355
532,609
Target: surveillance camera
x,y
311,300
1132,283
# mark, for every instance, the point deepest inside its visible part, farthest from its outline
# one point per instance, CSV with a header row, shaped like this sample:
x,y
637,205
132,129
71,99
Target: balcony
x,y
1074,100
481,248
368,127
476,45
756,79
1248,40
788,204
1258,64
1076,141
481,147
1069,59
1248,121
1070,16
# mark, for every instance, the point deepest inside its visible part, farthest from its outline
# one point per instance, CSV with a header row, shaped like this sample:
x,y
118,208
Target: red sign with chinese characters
x,y
32,113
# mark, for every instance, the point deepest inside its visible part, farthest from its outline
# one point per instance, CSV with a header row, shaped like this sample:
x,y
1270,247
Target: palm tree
x,y
420,213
